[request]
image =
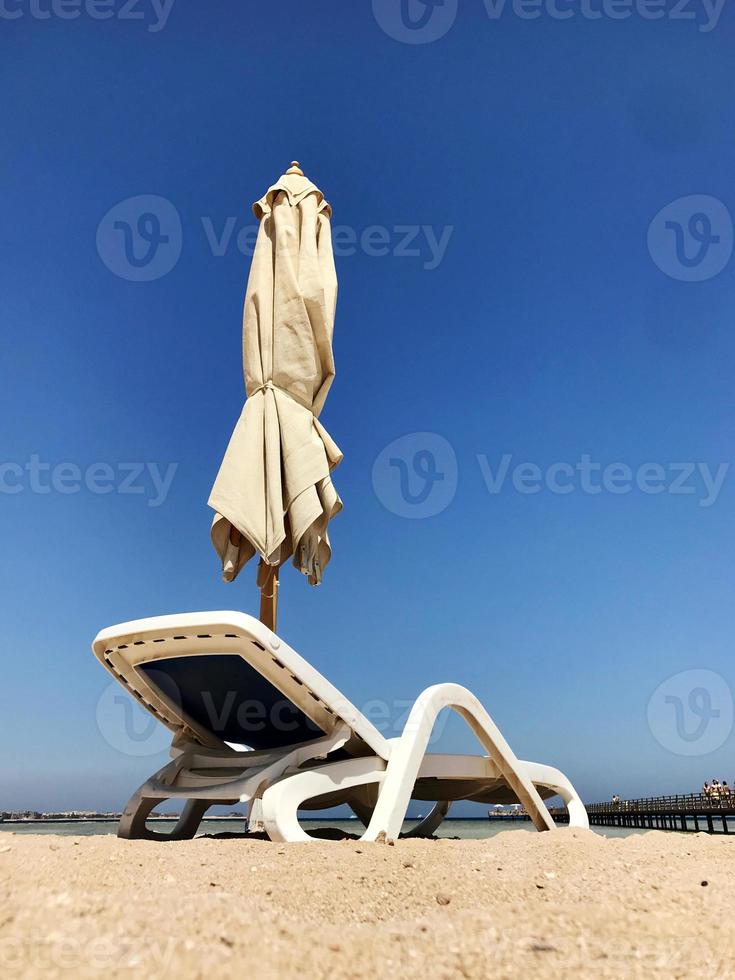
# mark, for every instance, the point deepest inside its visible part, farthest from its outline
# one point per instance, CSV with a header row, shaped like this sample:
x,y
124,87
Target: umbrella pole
x,y
269,599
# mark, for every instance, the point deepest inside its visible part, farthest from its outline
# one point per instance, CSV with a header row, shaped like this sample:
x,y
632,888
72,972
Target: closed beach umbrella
x,y
273,495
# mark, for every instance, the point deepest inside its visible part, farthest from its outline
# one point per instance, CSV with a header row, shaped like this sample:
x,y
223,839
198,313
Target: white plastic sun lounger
x,y
221,681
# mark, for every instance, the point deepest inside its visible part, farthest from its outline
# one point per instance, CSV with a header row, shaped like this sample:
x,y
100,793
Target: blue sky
x,y
525,298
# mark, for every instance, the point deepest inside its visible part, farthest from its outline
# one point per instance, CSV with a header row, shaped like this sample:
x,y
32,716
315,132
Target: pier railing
x,y
682,803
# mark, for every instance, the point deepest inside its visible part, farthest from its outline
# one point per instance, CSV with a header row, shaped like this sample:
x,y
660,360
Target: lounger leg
x,y
552,778
362,811
191,817
133,826
132,823
281,802
282,799
255,823
431,822
408,751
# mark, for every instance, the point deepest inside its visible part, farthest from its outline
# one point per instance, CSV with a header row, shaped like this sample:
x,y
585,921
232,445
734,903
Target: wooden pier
x,y
691,813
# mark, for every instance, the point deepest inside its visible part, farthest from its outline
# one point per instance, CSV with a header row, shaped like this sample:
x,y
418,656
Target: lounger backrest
x,y
223,677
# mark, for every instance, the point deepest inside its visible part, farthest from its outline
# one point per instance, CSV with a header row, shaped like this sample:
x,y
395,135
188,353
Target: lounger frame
x,y
377,779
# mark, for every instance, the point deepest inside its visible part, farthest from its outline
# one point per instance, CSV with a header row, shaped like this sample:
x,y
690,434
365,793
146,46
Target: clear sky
x,y
524,299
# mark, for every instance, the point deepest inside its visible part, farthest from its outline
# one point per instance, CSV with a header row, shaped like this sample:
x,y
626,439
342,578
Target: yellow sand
x,y
567,903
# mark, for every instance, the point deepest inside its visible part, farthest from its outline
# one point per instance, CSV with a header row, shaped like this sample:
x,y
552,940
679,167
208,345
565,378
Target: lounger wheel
x,y
133,822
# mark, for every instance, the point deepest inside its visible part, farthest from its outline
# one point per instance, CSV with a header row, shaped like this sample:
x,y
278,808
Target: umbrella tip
x,y
295,169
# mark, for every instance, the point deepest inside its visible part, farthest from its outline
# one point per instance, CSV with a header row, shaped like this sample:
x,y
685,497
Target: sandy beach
x,y
569,902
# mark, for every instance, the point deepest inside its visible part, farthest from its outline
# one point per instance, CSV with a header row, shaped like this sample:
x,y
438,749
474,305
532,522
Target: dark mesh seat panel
x,y
223,694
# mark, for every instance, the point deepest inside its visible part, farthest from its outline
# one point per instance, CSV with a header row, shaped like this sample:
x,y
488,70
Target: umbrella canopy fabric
x,y
274,484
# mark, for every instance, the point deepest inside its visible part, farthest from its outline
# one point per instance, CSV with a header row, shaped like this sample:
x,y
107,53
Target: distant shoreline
x,y
220,819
